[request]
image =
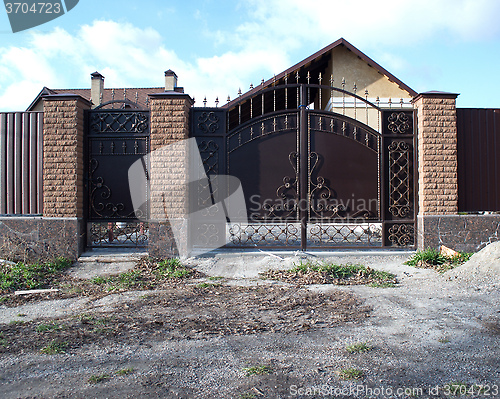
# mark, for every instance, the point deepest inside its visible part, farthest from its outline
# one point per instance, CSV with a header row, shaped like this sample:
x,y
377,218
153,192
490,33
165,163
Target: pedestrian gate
x,y
117,136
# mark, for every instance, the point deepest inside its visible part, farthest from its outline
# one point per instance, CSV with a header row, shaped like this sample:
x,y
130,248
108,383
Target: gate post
x,y
169,112
303,168
62,226
437,165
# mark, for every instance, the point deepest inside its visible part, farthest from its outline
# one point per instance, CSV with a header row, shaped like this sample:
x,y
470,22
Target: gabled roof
x,y
138,95
319,60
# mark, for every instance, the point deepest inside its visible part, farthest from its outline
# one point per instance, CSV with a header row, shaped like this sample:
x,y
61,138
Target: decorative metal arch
x,y
124,103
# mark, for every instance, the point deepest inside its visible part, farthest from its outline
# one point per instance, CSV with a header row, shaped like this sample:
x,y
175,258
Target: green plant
x,y
172,268
94,379
3,341
21,276
47,327
342,271
351,374
124,280
444,340
215,278
15,322
257,370
247,395
358,347
126,371
207,285
462,257
85,318
54,347
387,284
430,256
129,279
99,280
433,258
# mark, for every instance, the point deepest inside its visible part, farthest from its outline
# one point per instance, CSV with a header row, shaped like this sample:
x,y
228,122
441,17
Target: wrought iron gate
x,y
312,178
117,137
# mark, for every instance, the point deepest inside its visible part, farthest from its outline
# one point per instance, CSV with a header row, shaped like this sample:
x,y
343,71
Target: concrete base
x,y
468,233
105,262
36,238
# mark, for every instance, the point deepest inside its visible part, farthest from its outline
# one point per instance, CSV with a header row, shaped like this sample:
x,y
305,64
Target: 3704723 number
x,y
35,8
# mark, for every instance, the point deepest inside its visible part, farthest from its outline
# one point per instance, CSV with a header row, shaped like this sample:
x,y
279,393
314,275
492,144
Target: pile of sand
x,y
482,269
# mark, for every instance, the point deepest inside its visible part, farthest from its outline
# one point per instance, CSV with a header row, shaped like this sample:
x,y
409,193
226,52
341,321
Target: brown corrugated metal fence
x,y
478,149
21,135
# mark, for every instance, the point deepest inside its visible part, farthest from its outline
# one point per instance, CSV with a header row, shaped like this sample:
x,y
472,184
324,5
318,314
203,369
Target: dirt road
x,y
249,338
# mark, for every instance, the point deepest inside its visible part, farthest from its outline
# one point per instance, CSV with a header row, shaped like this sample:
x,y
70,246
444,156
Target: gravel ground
x,y
193,342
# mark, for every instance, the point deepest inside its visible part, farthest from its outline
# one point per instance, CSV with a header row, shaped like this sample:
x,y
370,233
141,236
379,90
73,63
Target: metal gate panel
x,y
116,139
312,178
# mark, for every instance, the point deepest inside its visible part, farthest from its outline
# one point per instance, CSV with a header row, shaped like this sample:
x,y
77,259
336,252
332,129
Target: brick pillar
x,y
169,125
437,164
63,168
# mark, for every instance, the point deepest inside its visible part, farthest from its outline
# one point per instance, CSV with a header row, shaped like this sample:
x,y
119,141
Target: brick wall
x,y
63,143
437,153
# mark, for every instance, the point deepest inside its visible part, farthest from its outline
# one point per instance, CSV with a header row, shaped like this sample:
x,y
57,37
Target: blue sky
x,y
218,46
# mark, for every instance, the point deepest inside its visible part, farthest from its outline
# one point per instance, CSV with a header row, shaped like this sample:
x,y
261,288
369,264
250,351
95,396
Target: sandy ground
x,y
425,333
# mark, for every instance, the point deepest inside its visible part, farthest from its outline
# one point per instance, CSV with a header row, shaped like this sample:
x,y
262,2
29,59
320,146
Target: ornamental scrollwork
x,y
208,122
119,122
100,194
399,123
401,235
400,179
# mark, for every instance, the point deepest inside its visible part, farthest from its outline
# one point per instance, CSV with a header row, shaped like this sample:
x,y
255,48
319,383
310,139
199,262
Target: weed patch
x,y
257,370
126,371
95,379
327,273
122,281
21,276
358,347
54,347
172,268
431,258
47,327
350,374
208,285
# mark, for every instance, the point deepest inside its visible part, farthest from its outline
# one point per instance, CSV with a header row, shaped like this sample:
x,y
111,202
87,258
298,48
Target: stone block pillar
x,y
169,113
63,170
437,164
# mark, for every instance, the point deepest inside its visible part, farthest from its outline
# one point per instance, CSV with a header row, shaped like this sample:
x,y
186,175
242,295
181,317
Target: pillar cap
x,y
435,94
171,94
66,96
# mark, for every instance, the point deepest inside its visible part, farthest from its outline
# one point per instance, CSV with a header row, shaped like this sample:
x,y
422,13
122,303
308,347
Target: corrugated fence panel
x,y
21,135
478,148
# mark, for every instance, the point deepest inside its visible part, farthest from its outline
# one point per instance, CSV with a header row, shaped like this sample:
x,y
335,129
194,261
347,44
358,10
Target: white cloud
x,y
128,57
368,22
275,35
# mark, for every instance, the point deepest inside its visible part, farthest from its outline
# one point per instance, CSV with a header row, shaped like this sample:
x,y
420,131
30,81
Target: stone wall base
x,y
468,233
35,238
